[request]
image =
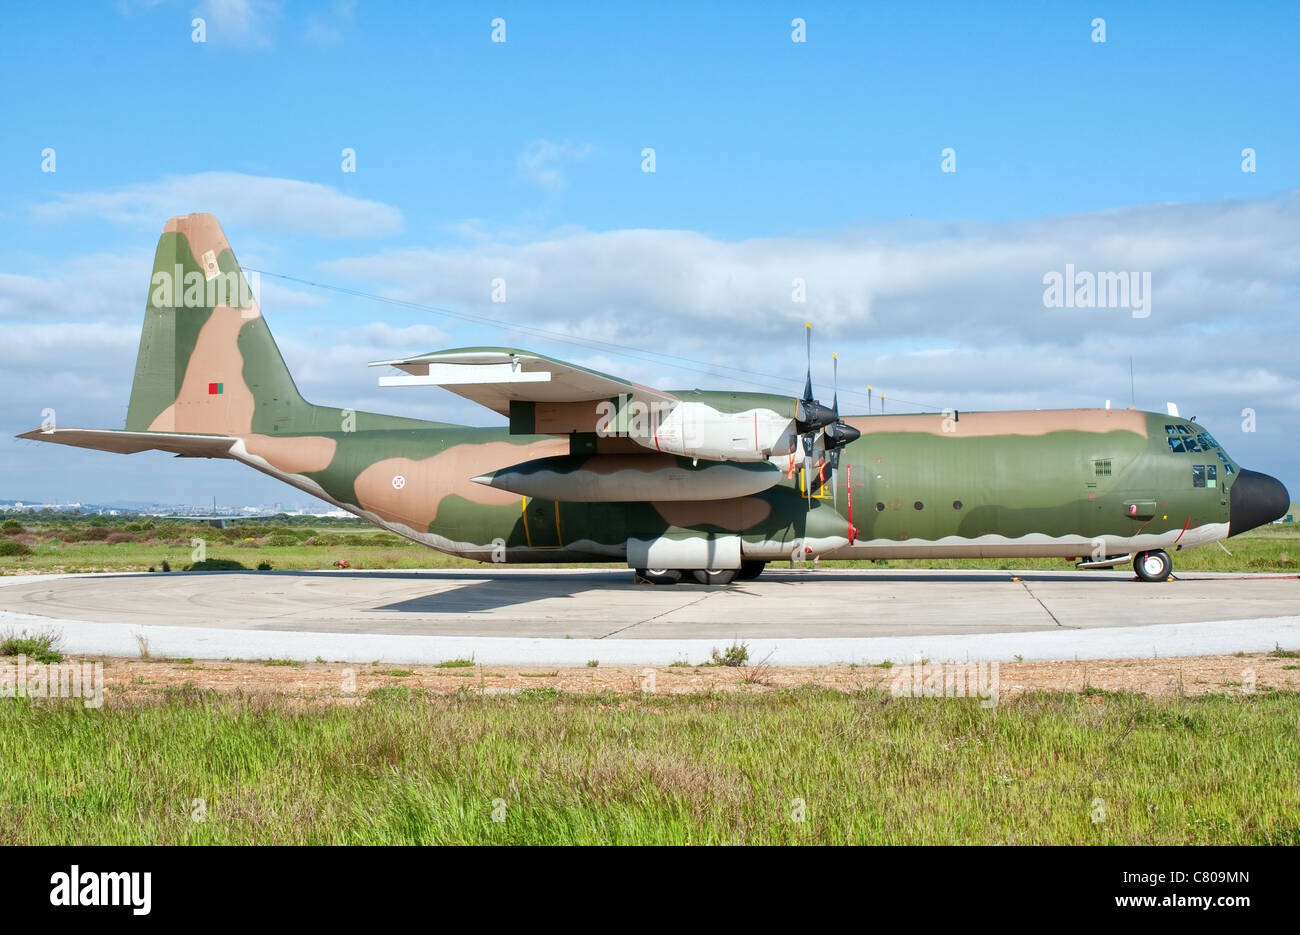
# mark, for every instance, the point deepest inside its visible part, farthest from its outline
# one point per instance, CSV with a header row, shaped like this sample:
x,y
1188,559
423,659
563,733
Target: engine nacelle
x,y
697,430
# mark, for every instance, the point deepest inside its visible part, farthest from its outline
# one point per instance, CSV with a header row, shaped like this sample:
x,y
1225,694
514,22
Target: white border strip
x,y
1218,637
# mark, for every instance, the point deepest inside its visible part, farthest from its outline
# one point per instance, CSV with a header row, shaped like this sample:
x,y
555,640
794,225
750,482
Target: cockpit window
x,y
1184,438
1227,465
1205,475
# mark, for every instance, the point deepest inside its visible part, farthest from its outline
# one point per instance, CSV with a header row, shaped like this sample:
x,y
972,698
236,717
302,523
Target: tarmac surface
x,y
550,615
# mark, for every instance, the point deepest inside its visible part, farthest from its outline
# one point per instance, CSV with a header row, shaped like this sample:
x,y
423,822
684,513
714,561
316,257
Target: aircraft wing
x,y
497,376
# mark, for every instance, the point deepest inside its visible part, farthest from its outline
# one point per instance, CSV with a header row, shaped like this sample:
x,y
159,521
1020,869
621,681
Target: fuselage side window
x,y
1198,475
1211,476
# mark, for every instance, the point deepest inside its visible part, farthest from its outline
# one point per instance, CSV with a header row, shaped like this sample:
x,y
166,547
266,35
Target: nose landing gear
x,y
1152,566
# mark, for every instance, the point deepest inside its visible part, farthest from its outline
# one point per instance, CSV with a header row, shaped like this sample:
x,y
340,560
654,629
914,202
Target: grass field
x,y
145,544
806,765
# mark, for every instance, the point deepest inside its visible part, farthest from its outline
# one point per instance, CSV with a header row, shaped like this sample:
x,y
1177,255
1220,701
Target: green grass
x,y
417,768
61,545
455,664
40,646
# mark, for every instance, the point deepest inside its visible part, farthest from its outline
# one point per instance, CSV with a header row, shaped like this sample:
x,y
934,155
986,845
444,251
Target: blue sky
x,y
774,159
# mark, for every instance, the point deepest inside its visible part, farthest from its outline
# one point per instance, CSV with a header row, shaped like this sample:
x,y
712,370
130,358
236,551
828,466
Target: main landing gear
x,y
1152,566
747,571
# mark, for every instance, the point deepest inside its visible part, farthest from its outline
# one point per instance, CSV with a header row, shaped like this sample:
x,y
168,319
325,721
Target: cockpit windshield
x,y
1187,439
1183,438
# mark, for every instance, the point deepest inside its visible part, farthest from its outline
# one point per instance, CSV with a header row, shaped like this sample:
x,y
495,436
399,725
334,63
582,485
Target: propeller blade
x,y
835,370
807,386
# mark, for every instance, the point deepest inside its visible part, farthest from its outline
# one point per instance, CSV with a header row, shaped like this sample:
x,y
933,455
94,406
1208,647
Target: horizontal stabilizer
x,y
127,443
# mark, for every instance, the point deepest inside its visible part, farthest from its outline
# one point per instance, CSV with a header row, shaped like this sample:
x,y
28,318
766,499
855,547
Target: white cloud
x,y
326,29
256,202
542,162
97,287
244,24
1212,266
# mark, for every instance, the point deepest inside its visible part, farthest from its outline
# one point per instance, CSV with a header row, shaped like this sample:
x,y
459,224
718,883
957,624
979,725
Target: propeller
x,y
813,419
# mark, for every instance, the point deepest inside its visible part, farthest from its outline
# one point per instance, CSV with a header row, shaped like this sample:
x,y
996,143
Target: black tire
x,y
714,575
749,570
1152,566
659,575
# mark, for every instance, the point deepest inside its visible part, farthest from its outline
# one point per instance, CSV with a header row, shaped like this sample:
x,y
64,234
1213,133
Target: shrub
x,y
8,547
215,564
11,525
41,646
114,538
737,654
281,541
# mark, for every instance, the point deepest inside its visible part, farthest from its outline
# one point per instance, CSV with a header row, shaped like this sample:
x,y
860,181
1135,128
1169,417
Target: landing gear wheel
x,y
714,575
749,570
1152,566
659,575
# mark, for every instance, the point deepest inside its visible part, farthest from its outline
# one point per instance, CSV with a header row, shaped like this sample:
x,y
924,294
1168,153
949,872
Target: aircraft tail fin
x,y
207,363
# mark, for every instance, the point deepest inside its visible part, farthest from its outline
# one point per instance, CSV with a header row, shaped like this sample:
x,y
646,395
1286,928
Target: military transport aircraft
x,y
710,485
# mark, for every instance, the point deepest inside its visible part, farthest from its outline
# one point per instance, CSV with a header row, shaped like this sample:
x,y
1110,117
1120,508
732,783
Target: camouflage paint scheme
x,y
210,382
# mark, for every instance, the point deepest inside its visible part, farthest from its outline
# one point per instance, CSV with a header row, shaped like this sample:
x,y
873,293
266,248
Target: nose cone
x,y
1256,499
